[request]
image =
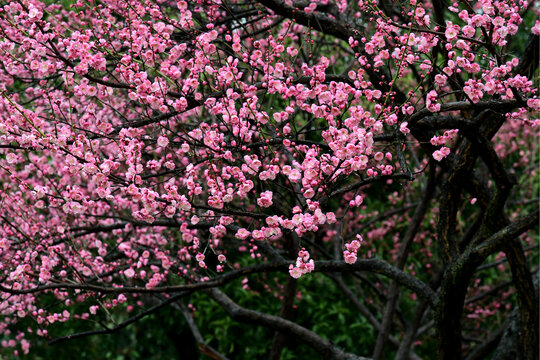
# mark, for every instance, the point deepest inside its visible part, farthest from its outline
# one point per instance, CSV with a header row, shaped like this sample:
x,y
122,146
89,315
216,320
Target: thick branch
x,y
501,238
500,105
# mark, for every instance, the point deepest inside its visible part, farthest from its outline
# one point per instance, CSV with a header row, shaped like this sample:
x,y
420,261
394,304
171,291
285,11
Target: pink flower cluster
x,y
430,102
265,200
350,255
441,153
303,266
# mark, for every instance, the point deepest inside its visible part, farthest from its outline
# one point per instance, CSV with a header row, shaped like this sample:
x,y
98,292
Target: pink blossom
x,y
441,154
199,257
295,272
162,141
350,257
451,33
265,200
331,217
303,266
242,234
403,128
309,193
11,158
536,28
294,175
430,102
129,273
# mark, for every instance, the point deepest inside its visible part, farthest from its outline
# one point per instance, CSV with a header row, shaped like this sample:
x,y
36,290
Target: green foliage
x,y
65,3
320,308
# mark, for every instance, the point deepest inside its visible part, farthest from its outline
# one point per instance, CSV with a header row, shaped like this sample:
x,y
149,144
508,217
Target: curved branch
x,y
122,325
371,265
322,346
383,268
498,240
464,105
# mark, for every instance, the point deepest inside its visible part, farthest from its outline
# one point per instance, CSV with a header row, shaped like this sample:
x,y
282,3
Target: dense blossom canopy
x,y
153,149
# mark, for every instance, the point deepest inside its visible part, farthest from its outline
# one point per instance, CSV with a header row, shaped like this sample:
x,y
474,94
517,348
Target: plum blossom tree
x,y
151,151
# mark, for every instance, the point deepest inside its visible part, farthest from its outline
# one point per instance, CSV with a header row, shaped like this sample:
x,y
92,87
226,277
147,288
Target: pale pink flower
x,y
129,273
451,32
242,234
350,257
265,200
162,141
11,158
295,272
403,128
536,28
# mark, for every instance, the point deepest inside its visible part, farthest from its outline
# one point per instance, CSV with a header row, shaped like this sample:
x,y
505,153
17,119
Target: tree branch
x,y
322,346
122,325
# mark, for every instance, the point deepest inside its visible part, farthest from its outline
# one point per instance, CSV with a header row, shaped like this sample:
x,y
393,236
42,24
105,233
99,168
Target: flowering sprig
x,y
304,265
350,255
